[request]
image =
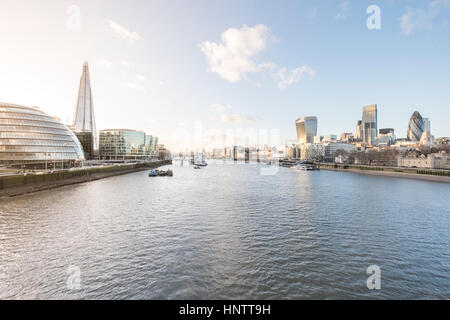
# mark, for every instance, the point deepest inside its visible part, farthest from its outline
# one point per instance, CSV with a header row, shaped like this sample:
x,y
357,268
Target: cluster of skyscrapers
x,y
31,138
310,146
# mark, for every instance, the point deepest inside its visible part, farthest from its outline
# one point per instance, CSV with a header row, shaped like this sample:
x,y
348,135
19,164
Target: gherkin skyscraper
x,y
416,127
84,120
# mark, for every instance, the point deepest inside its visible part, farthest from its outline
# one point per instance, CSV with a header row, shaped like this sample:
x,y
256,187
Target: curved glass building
x,y
306,129
30,137
416,127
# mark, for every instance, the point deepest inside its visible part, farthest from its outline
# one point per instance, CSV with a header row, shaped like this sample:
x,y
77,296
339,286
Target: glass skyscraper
x,y
369,124
359,130
306,129
417,126
84,120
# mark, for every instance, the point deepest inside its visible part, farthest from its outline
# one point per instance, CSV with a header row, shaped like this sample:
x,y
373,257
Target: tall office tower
x,y
306,129
359,130
369,124
416,127
426,125
84,120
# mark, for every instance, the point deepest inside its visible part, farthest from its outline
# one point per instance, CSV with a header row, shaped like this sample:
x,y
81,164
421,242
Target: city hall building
x,y
31,138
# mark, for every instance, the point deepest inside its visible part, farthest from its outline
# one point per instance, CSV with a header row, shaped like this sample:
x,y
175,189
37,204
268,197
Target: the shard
x,y
84,120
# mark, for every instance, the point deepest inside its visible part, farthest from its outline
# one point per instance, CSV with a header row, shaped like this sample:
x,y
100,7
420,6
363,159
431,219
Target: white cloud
x,y
345,7
234,57
135,86
288,78
267,66
103,62
123,32
140,77
236,118
219,107
421,19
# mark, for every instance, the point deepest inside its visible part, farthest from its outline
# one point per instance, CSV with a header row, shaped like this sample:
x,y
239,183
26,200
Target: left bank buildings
x,y
31,138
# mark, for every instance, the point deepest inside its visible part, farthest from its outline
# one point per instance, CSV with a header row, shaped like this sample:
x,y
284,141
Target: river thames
x,y
228,231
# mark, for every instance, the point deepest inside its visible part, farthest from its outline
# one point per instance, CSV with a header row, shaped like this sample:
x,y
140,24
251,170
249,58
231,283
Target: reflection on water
x,y
226,231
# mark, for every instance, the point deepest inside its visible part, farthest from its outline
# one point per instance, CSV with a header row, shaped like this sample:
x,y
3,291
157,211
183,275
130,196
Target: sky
x,y
193,72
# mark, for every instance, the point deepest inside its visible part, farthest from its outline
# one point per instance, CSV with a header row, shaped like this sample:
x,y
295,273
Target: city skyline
x,y
285,74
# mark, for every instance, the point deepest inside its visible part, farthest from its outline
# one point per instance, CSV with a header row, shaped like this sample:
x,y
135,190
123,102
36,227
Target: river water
x,y
231,231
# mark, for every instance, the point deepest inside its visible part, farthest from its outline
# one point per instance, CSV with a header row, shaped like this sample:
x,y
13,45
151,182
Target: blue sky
x,y
166,66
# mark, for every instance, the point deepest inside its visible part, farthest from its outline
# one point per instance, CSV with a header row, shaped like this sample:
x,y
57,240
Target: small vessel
x,y
201,164
160,173
305,167
196,167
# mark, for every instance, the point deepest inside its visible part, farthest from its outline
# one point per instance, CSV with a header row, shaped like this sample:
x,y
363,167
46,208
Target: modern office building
x,y
386,137
359,130
31,138
347,136
125,144
312,151
369,124
318,139
306,129
426,125
330,149
155,142
84,121
294,152
386,131
416,127
427,139
329,138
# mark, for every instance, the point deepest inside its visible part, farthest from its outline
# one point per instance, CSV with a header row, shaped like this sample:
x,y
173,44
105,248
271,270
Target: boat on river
x,y
161,173
305,167
201,163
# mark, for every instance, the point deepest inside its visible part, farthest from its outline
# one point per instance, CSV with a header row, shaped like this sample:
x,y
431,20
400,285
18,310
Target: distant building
x,y
359,130
317,139
431,161
312,152
294,152
386,131
426,125
329,138
347,136
370,124
84,121
238,153
417,126
306,129
386,137
405,143
124,144
155,142
443,141
427,139
163,153
330,149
